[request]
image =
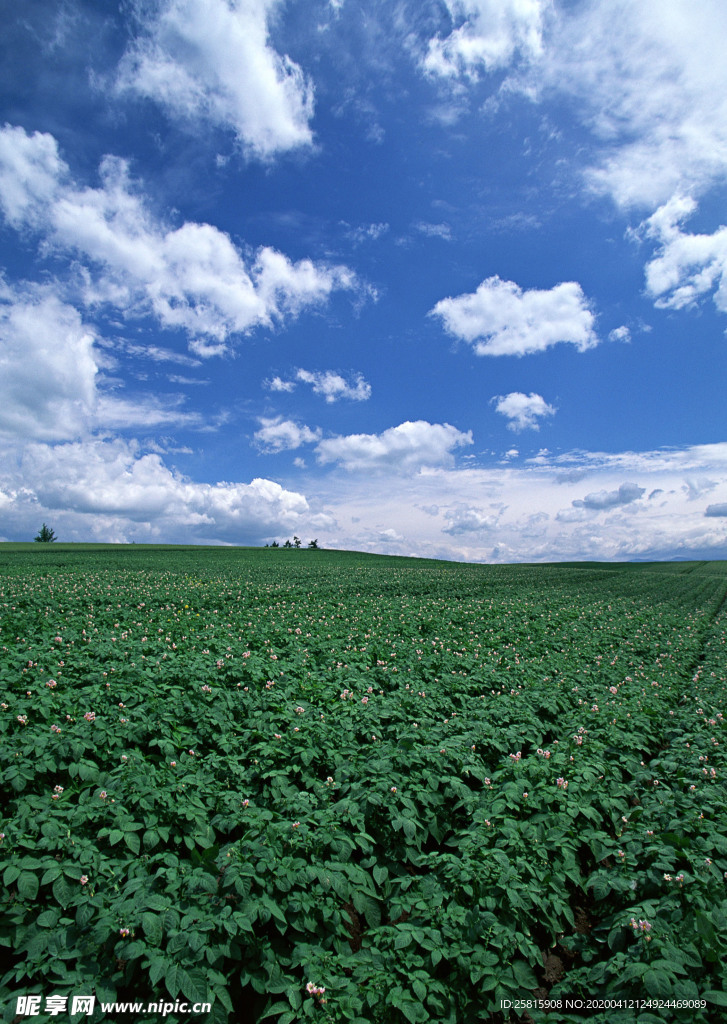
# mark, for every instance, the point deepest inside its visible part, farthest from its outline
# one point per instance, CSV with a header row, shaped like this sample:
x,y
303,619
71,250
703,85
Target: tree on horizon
x,y
45,535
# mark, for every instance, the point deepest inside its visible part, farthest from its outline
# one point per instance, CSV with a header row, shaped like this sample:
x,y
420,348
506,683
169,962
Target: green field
x,y
244,776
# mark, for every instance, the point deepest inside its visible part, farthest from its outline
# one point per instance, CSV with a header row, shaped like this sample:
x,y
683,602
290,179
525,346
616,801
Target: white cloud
x,y
31,172
602,500
159,354
525,512
328,383
192,277
442,231
367,232
406,448
501,319
278,384
650,80
47,367
489,35
112,487
686,267
523,411
278,435
212,60
333,386
468,519
620,334
50,374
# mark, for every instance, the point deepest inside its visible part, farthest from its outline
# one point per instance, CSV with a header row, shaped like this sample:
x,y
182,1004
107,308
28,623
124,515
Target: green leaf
x,y
10,874
133,842
193,984
157,968
410,829
51,874
62,892
381,873
524,975
47,919
714,996
151,838
420,989
172,981
279,1007
152,925
28,884
657,983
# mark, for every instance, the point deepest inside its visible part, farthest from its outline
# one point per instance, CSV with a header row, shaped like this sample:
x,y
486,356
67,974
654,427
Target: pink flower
x,y
83,879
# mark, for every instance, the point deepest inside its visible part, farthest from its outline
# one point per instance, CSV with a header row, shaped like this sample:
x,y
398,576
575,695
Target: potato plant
x,y
312,785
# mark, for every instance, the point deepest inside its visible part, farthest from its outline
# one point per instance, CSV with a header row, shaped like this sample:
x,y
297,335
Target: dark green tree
x,y
296,541
313,544
45,535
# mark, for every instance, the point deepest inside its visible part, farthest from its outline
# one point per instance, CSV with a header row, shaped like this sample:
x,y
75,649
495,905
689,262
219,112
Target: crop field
x,y
333,787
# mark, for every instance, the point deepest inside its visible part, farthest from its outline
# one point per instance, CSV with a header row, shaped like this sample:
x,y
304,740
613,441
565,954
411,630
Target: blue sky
x,y
434,277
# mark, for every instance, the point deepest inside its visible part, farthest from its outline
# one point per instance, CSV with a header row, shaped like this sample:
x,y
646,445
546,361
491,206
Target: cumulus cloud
x,y
50,374
212,60
650,81
647,79
468,519
332,385
192,277
328,383
31,172
600,500
406,448
278,435
48,368
487,36
500,318
136,495
442,512
522,411
685,267
716,511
